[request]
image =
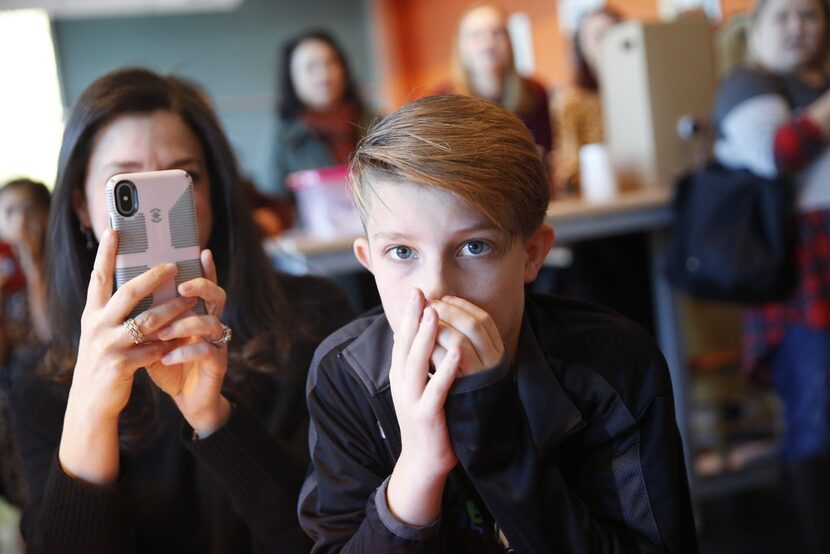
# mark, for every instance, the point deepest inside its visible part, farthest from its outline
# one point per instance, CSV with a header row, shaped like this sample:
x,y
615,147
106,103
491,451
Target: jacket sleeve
x,y
63,515
606,501
260,474
339,507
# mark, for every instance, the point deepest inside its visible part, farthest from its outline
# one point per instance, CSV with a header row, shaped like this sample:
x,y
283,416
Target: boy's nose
x,y
437,284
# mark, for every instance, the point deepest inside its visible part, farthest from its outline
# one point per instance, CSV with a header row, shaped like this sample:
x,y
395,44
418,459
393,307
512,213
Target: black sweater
x,y
232,492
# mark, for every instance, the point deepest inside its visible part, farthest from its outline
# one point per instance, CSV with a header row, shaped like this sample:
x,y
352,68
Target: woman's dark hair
x,y
585,77
37,190
288,103
256,305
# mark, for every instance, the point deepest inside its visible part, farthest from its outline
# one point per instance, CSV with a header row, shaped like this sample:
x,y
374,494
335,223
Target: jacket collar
x,y
551,414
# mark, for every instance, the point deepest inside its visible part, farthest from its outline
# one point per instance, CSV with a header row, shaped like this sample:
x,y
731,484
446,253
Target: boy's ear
x,y
362,253
536,249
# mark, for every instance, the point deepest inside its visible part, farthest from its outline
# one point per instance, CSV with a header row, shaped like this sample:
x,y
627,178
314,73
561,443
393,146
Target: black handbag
x,y
732,236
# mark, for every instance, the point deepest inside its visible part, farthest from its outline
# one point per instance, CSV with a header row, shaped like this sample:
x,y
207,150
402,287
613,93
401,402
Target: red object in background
x,y
11,276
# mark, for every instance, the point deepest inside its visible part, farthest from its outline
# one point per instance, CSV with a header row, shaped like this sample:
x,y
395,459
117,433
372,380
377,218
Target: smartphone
x,y
154,213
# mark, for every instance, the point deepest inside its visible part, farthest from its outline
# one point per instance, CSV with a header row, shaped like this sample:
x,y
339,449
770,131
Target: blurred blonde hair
x,y
515,95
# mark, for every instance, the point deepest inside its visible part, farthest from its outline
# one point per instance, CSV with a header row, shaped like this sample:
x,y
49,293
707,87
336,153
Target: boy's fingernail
x,y
167,358
190,300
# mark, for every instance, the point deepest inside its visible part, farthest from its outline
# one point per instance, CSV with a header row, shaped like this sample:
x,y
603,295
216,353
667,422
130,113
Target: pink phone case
x,y
162,230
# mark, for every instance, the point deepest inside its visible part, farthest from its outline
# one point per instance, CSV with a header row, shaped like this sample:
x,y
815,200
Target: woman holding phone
x,y
205,449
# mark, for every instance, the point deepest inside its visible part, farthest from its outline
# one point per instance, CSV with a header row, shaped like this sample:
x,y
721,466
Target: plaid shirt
x,y
808,304
797,143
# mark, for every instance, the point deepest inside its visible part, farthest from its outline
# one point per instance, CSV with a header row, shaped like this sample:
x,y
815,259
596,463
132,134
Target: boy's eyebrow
x,y
390,236
463,231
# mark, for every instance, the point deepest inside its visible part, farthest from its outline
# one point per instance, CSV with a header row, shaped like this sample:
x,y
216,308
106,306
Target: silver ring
x,y
135,332
224,339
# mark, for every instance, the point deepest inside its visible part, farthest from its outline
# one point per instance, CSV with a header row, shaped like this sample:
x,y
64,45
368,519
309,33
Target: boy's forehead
x,y
402,205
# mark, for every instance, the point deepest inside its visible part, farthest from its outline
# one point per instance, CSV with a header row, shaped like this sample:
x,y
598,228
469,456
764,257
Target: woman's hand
x,y
107,360
193,372
470,330
417,482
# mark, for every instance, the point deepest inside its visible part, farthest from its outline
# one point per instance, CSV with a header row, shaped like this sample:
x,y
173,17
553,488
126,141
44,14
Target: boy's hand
x,y
469,329
417,483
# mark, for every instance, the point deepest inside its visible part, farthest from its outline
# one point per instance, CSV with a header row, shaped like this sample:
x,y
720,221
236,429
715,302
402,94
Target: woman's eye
x,y
400,252
475,248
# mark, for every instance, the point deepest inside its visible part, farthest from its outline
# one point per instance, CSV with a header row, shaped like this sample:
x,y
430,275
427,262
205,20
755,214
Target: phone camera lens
x,y
125,198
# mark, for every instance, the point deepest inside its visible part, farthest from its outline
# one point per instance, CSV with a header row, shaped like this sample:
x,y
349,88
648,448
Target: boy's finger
x,y
438,354
417,362
450,338
100,281
471,328
407,328
436,391
484,319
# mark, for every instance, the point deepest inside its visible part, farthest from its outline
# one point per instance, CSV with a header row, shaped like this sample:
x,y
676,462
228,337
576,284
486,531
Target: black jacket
x,y
575,451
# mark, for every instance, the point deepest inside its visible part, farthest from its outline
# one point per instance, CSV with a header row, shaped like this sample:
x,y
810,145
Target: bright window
x,y
31,114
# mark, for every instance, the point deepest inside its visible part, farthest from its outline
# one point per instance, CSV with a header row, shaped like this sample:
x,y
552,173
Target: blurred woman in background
x,y
577,110
613,271
320,115
483,66
772,117
24,322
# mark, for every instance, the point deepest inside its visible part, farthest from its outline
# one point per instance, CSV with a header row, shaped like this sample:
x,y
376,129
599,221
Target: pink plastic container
x,y
324,202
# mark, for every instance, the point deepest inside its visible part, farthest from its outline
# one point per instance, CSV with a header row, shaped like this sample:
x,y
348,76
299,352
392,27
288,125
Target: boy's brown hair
x,y
472,148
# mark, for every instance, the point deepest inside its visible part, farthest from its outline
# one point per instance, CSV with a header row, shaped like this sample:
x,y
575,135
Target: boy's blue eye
x,y
475,248
401,252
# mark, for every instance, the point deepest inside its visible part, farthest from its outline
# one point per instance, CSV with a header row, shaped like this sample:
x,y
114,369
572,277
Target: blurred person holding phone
x,y
158,433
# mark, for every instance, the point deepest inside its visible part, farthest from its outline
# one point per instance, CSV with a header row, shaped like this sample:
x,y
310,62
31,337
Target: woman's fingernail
x,y
167,359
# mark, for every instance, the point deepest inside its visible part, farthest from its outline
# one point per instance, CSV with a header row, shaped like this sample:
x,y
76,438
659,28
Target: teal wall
x,y
231,54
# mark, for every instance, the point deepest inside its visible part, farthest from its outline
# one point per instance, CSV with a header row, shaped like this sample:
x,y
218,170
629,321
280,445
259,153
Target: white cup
x,y
596,174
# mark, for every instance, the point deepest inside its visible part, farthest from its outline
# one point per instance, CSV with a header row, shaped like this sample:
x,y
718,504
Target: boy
x,y
546,425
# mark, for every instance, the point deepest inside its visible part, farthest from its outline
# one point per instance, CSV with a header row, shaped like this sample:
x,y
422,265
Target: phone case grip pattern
x,y
164,229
